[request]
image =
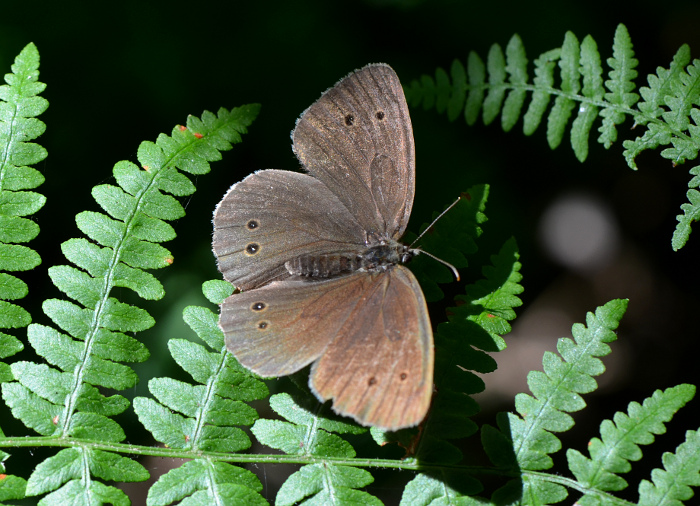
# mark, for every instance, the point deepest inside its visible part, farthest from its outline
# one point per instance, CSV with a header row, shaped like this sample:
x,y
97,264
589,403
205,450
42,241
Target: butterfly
x,y
318,264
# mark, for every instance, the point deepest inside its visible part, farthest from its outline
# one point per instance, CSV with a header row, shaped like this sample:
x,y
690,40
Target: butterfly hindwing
x,y
378,369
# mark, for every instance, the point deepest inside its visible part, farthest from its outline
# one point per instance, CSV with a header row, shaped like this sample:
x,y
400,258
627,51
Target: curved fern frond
x,y
203,417
668,109
91,348
620,440
20,104
556,392
507,86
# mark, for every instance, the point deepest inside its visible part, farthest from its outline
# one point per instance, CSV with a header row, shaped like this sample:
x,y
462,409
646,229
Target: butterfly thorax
x,y
380,257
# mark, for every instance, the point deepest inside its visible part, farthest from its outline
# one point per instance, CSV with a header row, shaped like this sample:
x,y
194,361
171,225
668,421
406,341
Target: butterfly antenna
x,y
435,221
416,250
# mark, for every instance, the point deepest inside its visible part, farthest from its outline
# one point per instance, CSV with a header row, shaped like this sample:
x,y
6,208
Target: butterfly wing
x,y
378,369
369,334
273,216
358,140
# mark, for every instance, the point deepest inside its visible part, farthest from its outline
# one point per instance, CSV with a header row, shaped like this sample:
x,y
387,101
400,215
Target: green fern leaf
x,y
442,90
443,488
620,84
516,67
327,485
11,487
20,103
570,86
70,465
476,71
686,93
691,212
556,392
63,402
452,238
459,90
591,71
620,438
681,471
204,481
544,84
654,96
496,66
476,324
9,345
309,430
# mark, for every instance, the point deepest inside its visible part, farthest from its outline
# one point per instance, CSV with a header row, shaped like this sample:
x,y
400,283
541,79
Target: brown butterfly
x,y
317,260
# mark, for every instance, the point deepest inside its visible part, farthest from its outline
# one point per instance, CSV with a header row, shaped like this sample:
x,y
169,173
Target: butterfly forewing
x,y
358,140
273,216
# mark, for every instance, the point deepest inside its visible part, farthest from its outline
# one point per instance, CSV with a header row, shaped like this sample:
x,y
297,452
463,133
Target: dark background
x,y
122,73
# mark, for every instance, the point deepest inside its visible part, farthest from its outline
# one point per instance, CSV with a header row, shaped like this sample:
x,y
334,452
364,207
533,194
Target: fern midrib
x,y
108,285
605,497
8,145
639,423
209,397
312,430
213,484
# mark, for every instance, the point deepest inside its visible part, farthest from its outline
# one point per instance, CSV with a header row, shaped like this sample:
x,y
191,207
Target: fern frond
x,y
556,392
668,109
308,431
89,351
681,471
620,440
203,417
20,103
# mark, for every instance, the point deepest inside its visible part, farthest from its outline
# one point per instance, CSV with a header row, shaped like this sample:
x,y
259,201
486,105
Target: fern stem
x,y
262,458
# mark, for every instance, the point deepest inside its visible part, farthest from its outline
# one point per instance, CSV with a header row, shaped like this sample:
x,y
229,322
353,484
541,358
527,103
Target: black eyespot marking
x,y
380,115
252,225
252,248
372,381
403,376
349,119
258,306
263,325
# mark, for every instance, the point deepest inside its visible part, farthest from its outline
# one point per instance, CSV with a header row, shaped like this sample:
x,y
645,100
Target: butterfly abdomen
x,y
323,266
377,258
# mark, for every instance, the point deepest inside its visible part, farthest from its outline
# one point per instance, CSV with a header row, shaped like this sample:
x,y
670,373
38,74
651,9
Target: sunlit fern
x,y
571,79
